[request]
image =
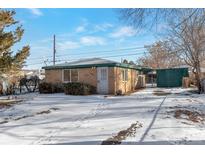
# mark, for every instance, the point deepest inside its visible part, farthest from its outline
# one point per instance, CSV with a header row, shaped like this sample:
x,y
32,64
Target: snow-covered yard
x,y
61,119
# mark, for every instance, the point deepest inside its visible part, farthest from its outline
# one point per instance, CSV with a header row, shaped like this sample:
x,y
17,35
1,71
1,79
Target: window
x,y
74,75
66,75
125,75
70,75
103,74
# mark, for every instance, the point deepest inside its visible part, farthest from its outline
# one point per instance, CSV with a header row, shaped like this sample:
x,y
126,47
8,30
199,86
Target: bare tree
x,y
188,40
186,33
159,56
153,17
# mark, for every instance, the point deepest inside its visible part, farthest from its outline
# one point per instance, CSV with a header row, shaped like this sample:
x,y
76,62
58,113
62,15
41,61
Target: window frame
x,y
63,74
125,77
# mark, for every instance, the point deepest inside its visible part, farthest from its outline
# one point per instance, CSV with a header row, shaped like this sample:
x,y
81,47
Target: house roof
x,y
87,61
90,62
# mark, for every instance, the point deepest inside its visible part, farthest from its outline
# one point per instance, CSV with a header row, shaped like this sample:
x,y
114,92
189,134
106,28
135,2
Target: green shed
x,y
171,77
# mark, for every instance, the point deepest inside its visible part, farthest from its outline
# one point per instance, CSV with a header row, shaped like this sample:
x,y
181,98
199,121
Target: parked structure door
x,y
102,80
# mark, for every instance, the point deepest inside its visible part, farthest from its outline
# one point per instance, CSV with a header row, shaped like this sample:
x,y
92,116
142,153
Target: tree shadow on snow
x,y
162,142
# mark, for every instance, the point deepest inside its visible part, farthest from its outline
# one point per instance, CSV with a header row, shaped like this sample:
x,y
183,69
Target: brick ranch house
x,y
106,75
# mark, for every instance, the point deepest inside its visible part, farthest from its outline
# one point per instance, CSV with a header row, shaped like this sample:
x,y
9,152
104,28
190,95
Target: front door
x,y
102,79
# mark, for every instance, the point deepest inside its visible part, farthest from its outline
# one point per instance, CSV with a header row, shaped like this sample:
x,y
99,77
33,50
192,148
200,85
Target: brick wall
x,y
89,75
125,86
111,80
53,76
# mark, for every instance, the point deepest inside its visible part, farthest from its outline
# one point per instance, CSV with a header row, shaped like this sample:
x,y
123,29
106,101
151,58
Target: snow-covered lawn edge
x,y
64,119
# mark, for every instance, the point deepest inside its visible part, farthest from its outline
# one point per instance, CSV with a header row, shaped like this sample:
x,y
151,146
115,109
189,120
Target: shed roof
x,y
172,68
90,62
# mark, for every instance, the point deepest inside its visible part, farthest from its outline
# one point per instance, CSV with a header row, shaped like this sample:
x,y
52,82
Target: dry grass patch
x,y
43,112
5,103
161,93
193,116
27,116
122,135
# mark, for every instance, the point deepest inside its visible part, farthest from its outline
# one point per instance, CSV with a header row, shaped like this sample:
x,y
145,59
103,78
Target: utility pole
x,y
54,49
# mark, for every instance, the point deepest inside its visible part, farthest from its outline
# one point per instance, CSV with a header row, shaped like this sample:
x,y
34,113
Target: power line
x,y
105,51
110,53
62,60
123,49
97,51
94,54
106,56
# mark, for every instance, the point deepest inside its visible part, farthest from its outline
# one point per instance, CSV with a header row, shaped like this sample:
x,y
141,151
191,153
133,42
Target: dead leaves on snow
x,y
122,135
193,116
6,120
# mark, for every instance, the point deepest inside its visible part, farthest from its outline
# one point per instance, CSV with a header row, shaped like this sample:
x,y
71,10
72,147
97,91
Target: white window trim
x,y
70,75
125,75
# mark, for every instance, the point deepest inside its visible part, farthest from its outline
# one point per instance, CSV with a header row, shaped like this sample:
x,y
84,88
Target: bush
x,y
77,88
72,88
119,92
58,88
47,88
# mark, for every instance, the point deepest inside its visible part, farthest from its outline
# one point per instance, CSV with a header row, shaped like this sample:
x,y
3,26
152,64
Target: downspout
x,y
125,82
115,78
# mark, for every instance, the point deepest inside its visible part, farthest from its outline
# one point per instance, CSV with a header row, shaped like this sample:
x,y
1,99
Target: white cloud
x,y
36,11
80,29
92,40
126,31
90,28
82,26
103,27
67,45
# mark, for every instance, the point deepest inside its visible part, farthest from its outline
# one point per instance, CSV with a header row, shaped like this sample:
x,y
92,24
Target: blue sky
x,y
80,33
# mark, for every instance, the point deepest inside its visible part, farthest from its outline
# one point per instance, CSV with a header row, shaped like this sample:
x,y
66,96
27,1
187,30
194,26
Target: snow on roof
x,y
91,62
87,61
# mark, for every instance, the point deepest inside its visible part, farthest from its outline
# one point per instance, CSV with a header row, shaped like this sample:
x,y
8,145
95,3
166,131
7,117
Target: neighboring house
x,y
107,76
33,72
3,84
203,72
